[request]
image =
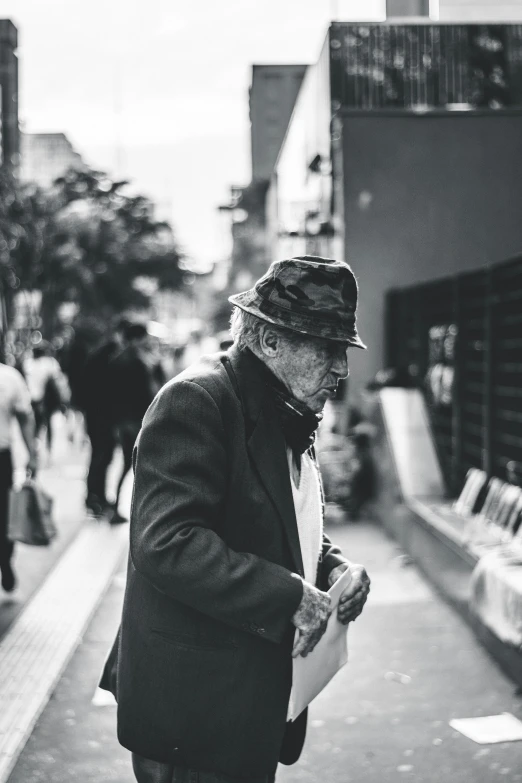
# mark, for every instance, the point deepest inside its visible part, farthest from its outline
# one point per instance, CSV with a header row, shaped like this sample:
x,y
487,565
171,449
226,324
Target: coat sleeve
x,y
179,496
331,557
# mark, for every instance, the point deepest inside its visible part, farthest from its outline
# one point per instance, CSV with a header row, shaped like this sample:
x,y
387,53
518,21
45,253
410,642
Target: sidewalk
x,y
63,476
413,667
60,587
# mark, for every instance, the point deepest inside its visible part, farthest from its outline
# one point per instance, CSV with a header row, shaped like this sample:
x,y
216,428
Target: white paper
x,y
313,673
492,728
103,698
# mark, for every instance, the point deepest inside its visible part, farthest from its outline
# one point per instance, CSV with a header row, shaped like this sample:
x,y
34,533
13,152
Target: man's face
x,y
312,368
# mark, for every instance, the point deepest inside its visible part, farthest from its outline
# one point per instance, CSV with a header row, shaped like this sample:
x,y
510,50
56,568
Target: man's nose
x,y
340,365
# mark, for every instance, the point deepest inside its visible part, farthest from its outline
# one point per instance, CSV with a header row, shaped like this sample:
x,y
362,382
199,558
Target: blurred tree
x,y
25,216
87,241
112,254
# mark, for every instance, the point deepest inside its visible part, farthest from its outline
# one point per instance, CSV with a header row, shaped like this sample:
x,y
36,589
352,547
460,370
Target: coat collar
x,y
265,441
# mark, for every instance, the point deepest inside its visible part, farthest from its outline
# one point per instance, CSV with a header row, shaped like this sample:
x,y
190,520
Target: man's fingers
x,y
350,592
303,643
301,647
357,599
347,609
349,613
345,619
307,642
358,596
355,590
356,586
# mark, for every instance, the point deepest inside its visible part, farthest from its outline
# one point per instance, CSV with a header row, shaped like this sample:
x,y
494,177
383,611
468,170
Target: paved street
x,y
413,667
63,475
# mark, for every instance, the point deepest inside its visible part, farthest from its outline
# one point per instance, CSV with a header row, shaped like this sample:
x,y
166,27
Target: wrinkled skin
x,y
355,596
311,368
310,619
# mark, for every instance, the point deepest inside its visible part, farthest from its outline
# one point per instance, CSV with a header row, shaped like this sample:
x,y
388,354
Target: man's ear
x,y
269,341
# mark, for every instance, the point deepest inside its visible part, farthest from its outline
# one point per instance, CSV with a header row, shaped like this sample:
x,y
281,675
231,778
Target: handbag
x,y
30,515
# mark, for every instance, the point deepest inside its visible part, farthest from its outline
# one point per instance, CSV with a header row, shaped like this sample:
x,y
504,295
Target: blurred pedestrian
x,y
154,358
15,403
73,357
47,386
96,398
228,556
136,376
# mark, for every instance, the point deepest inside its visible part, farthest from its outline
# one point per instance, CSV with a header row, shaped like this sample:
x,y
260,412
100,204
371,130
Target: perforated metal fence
x,y
460,339
426,65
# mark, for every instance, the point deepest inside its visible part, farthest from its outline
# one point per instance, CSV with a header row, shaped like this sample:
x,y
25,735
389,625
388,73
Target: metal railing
x,y
377,66
460,339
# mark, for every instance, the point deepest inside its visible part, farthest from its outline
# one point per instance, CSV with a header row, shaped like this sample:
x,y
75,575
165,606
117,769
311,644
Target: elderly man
x,y
227,552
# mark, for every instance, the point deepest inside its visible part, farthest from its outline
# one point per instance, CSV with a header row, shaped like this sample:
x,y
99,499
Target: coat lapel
x,y
266,444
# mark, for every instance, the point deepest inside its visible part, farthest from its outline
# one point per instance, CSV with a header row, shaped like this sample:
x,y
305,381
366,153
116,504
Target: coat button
x,y
261,630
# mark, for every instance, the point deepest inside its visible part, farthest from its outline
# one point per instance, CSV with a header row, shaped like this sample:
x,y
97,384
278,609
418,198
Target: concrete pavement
x,y
63,475
413,667
60,587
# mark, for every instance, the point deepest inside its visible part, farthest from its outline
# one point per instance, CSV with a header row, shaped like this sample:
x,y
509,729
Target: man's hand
x,y
32,463
354,597
310,619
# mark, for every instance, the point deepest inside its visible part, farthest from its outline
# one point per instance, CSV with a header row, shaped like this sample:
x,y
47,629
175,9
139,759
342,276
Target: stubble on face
x,y
311,369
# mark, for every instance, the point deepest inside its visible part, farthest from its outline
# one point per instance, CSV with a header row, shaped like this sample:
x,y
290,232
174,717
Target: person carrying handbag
x,y
47,386
15,403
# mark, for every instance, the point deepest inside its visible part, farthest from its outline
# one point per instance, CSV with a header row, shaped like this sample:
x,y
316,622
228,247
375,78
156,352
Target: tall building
x,y
273,94
480,10
47,156
403,156
9,132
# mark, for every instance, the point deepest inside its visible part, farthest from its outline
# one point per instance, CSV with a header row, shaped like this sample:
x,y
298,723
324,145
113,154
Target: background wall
x,y
425,196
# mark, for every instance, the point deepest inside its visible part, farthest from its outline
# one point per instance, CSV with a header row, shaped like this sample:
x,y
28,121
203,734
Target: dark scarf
x,y
298,422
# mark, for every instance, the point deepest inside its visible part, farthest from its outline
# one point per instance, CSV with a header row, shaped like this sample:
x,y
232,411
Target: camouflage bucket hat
x,y
308,294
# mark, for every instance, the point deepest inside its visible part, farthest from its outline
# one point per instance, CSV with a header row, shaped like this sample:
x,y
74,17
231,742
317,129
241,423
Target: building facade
x,y
9,131
402,156
272,96
47,156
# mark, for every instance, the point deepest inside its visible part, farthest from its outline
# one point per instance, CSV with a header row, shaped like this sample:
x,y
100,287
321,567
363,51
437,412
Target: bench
x,y
492,512
486,515
471,548
486,520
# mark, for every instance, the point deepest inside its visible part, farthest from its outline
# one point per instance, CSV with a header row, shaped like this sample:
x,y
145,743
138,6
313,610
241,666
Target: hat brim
x,y
249,306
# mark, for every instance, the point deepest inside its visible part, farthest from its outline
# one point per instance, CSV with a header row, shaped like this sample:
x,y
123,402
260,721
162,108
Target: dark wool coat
x,y
202,667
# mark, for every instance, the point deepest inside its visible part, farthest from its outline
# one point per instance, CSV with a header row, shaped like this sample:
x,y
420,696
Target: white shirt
x,y
308,512
37,372
14,398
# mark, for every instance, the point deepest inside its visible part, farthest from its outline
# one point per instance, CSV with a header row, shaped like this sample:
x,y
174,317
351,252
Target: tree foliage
x,y
88,241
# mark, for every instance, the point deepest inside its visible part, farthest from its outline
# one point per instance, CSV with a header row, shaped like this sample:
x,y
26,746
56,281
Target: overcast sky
x,y
166,83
